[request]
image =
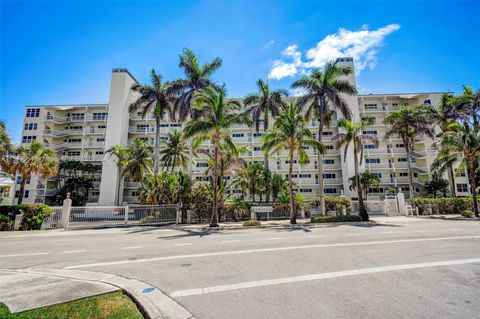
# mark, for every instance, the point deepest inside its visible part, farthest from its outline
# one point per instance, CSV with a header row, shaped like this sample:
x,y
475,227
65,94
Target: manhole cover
x,y
185,265
148,290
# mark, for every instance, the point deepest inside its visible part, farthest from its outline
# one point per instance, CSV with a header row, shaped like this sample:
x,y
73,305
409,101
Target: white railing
x,y
97,216
54,220
85,158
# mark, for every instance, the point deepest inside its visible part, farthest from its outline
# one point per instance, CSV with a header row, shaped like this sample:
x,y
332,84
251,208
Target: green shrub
x,y
468,213
33,215
444,205
337,203
251,223
5,223
333,219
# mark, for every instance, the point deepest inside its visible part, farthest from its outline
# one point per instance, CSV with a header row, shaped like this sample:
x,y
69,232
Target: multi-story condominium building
x,y
85,132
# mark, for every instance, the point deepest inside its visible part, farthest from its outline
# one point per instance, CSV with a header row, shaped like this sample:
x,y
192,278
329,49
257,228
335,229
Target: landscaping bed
x,y
333,219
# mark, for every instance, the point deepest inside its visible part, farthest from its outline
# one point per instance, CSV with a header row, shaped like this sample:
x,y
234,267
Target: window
x,y
375,190
25,195
30,126
369,146
329,147
202,164
101,139
73,140
305,175
257,148
95,193
238,135
328,161
163,125
394,104
101,126
378,175
399,145
462,188
202,178
77,117
99,153
73,153
255,135
33,112
327,133
402,159
427,102
330,190
403,174
370,106
371,132
372,161
175,125
19,180
305,190
74,127
288,162
28,139
99,116
329,175
305,147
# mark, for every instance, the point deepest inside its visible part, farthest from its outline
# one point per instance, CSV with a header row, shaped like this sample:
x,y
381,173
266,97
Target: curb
x,y
152,302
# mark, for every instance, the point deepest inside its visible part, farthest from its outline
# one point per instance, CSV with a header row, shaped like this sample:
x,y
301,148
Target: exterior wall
x,y
57,126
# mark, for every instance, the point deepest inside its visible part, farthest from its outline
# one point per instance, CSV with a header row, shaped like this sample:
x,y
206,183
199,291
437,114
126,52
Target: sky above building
x,y
63,52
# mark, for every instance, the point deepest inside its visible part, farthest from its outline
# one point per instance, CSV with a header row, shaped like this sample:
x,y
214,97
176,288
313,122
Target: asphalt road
x,y
400,268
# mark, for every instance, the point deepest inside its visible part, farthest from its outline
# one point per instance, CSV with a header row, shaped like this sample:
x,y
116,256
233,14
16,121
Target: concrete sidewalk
x,y
26,289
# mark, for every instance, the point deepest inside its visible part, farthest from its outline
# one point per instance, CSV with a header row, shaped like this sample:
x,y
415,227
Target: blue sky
x,y
63,52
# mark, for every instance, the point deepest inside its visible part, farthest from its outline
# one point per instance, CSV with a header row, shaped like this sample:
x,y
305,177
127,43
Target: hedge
x,y
333,219
444,205
33,215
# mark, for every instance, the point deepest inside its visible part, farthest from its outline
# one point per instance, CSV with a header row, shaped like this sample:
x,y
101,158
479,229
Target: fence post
x,y
189,216
179,213
126,216
402,210
67,205
18,222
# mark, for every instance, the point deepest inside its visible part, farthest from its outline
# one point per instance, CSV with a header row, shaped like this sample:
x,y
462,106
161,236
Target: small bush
x,y
468,213
251,223
333,219
33,216
5,223
444,205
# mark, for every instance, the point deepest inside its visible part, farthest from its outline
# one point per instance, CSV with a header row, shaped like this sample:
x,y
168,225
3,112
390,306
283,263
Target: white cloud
x,y
362,45
268,44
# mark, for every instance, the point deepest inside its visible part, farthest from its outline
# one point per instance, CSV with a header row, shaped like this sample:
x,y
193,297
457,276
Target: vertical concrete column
x,y
402,209
67,205
18,222
189,216
126,216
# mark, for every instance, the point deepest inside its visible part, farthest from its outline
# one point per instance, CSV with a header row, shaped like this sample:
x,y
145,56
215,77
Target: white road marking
x,y
315,236
183,244
419,231
230,241
336,274
274,238
387,232
354,234
21,255
132,247
73,251
456,229
263,250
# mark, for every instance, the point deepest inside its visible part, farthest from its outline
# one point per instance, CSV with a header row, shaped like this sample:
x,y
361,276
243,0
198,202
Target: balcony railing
x,y
84,158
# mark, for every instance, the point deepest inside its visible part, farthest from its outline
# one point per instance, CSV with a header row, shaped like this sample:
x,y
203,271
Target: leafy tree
x,y
6,146
278,184
323,90
290,133
138,159
120,154
156,98
218,116
367,180
174,152
198,77
30,160
407,123
436,185
76,178
251,178
354,135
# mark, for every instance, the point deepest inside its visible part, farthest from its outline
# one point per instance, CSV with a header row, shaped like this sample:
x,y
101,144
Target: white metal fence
x,y
54,220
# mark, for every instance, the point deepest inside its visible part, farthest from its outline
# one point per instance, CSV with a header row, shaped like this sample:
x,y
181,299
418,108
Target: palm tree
x,y
323,90
174,152
290,133
120,153
197,78
218,116
354,135
278,183
464,140
6,146
408,123
156,98
367,180
251,178
262,104
27,161
138,159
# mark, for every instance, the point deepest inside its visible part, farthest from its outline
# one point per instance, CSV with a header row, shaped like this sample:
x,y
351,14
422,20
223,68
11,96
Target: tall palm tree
x,y
323,90
278,183
30,160
197,78
262,104
367,180
290,133
120,154
354,135
174,152
156,98
251,179
5,141
138,159
218,116
464,140
408,123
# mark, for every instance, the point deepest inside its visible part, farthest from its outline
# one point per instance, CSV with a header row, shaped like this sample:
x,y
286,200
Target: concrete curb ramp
x,y
152,302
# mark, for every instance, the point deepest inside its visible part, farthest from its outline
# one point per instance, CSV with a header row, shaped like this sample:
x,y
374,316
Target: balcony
x,y
66,145
141,130
378,166
132,184
84,158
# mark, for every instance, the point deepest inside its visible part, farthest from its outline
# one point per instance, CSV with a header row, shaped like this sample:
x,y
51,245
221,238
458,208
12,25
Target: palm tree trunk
x,y
157,146
361,206
119,174
265,159
473,186
214,219
190,159
410,175
321,195
293,219
22,189
451,180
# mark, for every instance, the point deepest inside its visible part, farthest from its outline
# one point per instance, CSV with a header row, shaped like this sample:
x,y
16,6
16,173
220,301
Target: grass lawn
x,y
114,305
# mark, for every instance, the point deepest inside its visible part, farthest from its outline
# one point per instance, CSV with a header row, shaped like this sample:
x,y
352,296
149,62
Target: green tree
x,y
323,90
174,152
436,185
278,184
251,178
290,133
6,146
198,77
138,159
29,160
156,98
367,180
354,135
407,123
218,116
119,153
